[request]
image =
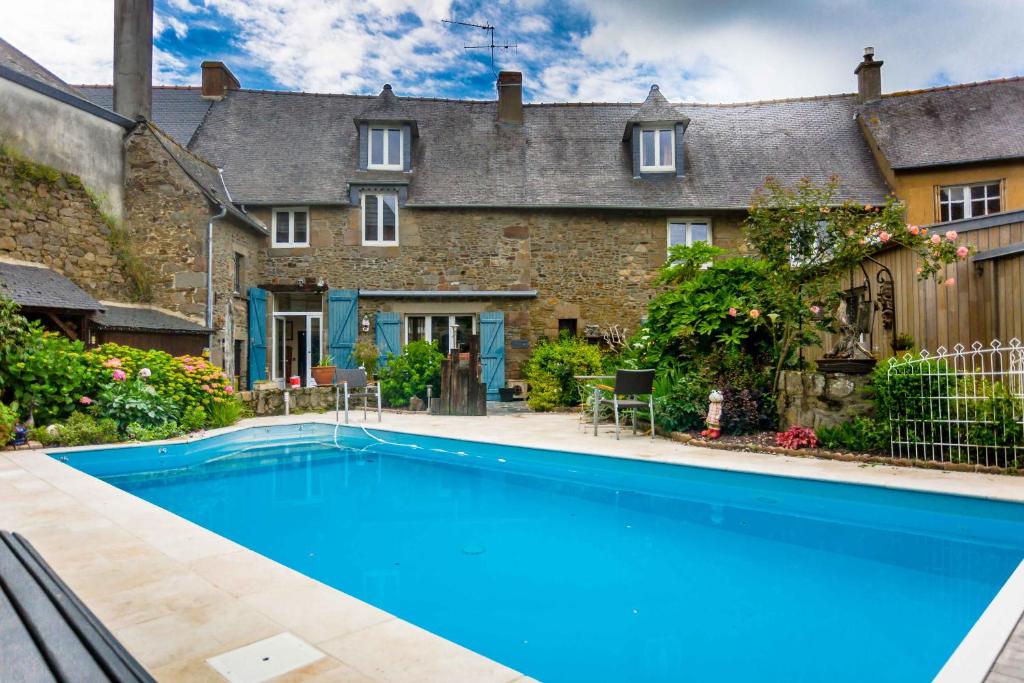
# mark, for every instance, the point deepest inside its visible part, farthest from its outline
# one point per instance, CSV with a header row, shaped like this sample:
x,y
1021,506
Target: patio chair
x,y
352,384
630,385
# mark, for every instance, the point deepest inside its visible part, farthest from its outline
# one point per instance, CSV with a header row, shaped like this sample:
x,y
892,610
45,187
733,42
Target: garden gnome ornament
x,y
714,422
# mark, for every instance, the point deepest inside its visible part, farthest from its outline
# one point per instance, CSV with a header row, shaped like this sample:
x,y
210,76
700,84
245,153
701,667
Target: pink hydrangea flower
x,y
755,314
884,236
229,389
205,387
189,368
951,235
950,282
119,375
936,239
962,252
85,401
112,363
732,312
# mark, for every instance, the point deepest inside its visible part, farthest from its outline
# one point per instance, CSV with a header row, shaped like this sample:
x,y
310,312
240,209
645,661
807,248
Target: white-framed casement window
x,y
688,231
969,201
290,226
380,219
451,332
657,150
385,148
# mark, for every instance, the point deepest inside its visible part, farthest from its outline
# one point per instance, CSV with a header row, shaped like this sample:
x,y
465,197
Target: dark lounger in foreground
x,y
46,632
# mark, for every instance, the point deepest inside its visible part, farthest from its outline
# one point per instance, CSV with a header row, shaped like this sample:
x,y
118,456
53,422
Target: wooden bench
x,y
46,632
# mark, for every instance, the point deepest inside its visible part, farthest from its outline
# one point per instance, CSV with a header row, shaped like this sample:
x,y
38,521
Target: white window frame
x,y
292,210
385,166
657,168
968,203
428,328
688,221
380,217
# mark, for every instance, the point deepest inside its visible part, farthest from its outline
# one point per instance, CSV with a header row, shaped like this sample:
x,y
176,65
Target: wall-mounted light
x,y
366,324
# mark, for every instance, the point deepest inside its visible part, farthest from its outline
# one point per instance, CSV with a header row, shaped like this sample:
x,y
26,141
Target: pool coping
x,y
972,660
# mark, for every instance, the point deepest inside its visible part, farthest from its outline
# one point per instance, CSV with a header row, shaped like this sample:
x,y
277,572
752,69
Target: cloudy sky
x,y
579,50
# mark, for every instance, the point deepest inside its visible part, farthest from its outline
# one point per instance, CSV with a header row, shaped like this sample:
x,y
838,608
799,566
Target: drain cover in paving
x,y
265,659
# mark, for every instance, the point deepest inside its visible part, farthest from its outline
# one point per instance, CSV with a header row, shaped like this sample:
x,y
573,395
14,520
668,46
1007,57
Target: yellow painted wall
x,y
919,188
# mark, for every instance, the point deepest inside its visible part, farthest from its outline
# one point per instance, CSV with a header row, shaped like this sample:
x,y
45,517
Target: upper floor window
x,y
291,227
385,151
688,231
380,219
657,150
969,201
239,269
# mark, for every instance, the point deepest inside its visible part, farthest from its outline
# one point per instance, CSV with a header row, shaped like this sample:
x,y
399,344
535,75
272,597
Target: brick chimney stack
x,y
510,97
217,80
133,58
869,77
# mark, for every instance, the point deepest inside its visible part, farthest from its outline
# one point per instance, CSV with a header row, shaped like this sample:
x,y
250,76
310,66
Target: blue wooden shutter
x,y
257,335
389,326
492,351
342,326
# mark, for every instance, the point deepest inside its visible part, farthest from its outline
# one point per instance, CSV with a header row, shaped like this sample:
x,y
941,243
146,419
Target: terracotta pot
x,y
324,375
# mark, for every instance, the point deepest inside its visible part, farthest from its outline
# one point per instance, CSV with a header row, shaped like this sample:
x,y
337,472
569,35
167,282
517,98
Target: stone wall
x,y
271,401
596,267
48,217
816,399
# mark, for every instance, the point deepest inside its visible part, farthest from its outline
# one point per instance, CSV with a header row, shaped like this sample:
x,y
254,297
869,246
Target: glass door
x,y
298,340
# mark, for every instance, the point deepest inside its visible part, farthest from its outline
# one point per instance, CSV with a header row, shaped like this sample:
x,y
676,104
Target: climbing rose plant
x,y
809,240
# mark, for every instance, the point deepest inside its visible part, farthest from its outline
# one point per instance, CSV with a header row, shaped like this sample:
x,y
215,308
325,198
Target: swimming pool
x,y
572,567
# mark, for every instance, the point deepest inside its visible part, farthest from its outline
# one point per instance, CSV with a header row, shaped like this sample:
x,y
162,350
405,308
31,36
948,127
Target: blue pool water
x,y
571,567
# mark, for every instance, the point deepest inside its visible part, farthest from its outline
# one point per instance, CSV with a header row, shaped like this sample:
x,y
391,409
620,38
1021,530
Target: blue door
x,y
492,351
389,326
257,335
342,326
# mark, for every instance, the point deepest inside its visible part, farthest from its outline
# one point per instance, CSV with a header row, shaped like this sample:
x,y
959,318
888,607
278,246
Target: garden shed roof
x,y
33,286
120,317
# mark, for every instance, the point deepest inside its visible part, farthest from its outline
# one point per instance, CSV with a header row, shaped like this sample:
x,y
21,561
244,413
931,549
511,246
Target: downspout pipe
x,y
209,274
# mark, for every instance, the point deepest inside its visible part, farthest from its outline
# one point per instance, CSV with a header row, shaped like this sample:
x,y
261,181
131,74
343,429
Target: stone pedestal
x,y
816,399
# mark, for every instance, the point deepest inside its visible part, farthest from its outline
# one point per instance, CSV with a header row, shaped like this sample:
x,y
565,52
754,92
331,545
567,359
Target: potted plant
x,y
323,371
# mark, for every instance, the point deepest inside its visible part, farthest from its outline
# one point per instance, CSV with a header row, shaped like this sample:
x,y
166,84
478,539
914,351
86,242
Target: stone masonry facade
x,y
596,267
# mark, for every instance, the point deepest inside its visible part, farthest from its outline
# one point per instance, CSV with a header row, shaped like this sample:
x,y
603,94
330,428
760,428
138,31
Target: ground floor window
x,y
688,231
451,332
567,326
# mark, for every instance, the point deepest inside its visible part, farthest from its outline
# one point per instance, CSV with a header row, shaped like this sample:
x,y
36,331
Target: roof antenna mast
x,y
492,46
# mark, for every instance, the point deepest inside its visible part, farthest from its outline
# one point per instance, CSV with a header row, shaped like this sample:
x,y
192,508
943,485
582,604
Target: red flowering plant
x,y
809,239
797,437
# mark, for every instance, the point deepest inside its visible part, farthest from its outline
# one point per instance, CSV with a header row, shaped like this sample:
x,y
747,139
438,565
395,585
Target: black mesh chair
x,y
354,384
630,385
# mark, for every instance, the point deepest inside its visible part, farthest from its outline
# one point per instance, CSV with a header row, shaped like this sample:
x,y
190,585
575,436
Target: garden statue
x,y
714,421
850,331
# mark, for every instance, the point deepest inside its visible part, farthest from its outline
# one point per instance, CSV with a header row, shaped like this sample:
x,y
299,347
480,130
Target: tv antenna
x,y
492,46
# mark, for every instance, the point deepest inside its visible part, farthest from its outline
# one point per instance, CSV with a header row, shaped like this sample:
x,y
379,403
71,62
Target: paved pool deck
x,y
177,594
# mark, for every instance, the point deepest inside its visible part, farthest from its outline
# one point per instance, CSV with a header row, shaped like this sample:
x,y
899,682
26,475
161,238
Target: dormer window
x,y
385,151
657,150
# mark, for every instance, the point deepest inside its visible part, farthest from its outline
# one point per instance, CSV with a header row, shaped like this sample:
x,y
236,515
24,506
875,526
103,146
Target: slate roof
x,y
655,109
40,287
952,125
15,59
135,318
278,147
177,110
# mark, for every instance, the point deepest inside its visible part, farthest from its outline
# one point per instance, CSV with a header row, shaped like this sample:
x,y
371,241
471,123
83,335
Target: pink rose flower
x,y
919,271
951,235
732,312
815,310
755,314
914,230
119,375
936,239
950,282
924,231
884,236
962,252
85,401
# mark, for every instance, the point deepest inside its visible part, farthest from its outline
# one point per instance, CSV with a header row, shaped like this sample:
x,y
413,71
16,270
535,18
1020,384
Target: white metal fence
x,y
962,405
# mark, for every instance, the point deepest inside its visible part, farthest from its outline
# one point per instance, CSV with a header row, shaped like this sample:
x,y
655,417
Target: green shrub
x,y
224,413
133,401
680,400
410,373
193,419
861,435
997,414
80,429
366,355
8,418
555,365
165,430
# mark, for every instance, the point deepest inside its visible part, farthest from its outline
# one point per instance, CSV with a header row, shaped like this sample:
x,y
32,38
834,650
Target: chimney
x,y
217,80
869,77
133,58
510,97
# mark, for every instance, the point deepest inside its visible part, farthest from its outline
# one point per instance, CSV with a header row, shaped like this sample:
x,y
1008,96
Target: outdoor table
x,y
596,392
